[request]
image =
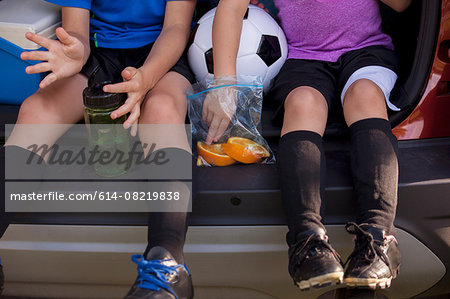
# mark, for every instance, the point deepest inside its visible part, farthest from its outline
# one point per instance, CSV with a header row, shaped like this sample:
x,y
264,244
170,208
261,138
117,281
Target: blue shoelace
x,y
154,275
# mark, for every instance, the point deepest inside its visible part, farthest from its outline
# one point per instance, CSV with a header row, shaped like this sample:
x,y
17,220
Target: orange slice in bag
x,y
214,154
245,150
200,161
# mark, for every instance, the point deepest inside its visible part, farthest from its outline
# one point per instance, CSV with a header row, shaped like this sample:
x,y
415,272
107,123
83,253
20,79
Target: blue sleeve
x,y
72,3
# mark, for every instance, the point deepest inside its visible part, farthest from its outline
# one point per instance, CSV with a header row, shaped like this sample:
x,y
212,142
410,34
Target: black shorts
x,y
329,78
111,62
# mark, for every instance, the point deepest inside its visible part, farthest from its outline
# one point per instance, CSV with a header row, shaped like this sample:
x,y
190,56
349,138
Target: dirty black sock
x,y
374,164
21,164
301,169
168,228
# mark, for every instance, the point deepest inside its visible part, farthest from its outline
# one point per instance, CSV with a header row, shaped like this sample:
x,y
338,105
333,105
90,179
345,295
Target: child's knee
x,y
364,92
305,100
161,108
33,106
364,99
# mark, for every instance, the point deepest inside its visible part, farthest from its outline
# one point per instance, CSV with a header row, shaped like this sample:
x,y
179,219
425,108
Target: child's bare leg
x,y
301,165
374,154
166,104
59,103
305,109
300,158
364,99
374,165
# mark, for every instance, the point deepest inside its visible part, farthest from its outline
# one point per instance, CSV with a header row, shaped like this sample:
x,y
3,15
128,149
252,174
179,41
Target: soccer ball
x,y
262,48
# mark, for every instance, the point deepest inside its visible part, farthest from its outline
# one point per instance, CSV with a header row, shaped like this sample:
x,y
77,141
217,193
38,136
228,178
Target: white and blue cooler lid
x,y
17,17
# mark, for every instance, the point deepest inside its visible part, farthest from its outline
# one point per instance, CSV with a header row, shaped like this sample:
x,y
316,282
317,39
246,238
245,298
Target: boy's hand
x,y
65,57
135,86
218,109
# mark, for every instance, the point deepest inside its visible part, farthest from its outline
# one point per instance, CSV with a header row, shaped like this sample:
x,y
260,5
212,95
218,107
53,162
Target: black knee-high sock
x,y
4,217
22,163
301,169
168,229
374,164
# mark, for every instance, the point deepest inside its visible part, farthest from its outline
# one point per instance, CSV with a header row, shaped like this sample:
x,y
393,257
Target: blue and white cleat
x,y
160,277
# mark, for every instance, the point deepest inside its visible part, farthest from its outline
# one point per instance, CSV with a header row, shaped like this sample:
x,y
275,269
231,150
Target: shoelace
x,y
154,275
364,246
312,242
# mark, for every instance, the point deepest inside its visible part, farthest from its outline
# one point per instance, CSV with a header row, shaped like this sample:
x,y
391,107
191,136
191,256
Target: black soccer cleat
x,y
313,262
160,277
375,261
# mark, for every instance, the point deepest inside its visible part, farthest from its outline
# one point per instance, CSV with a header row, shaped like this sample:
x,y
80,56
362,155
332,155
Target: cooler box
x,y
16,18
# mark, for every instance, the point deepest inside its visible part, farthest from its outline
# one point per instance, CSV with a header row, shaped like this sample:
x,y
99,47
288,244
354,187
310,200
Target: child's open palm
x,y
64,58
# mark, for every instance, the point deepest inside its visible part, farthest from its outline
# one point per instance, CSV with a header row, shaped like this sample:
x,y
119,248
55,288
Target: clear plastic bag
x,y
231,107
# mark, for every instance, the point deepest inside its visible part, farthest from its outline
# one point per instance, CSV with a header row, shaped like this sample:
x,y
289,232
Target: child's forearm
x,y
170,44
76,22
226,35
397,5
166,51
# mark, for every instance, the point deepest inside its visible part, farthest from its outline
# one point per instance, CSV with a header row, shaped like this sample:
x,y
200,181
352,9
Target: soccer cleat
x,y
375,261
313,262
160,277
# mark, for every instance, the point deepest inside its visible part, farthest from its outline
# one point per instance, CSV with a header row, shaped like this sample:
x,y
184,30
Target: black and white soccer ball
x,y
262,49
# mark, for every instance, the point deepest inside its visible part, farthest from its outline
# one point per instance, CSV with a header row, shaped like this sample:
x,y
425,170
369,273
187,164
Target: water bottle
x,y
108,141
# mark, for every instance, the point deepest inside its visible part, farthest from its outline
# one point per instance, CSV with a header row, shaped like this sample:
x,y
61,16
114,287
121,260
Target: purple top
x,y
326,29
